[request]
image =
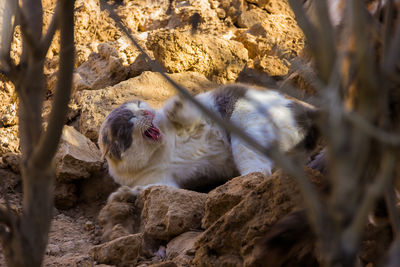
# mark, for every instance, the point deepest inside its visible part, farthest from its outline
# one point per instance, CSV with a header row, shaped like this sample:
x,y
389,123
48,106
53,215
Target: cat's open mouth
x,y
153,133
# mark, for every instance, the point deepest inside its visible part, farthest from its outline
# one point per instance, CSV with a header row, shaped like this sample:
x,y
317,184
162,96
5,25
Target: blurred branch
x,y
371,130
5,216
319,37
8,28
291,168
387,26
26,33
6,221
394,254
47,146
304,23
51,30
394,214
392,56
352,234
307,73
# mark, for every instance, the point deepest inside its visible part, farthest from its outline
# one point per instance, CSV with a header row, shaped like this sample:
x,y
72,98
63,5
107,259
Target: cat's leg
x,y
129,194
247,160
258,127
126,194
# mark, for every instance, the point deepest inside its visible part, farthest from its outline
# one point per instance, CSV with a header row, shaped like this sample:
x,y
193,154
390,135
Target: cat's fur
x,y
178,146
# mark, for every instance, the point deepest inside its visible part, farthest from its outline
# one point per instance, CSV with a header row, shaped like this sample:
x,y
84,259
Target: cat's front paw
x,y
125,194
173,108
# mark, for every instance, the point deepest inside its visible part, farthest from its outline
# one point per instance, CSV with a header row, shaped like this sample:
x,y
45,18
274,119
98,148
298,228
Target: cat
x,y
178,146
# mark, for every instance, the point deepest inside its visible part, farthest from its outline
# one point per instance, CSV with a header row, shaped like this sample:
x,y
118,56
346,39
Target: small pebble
x,y
89,226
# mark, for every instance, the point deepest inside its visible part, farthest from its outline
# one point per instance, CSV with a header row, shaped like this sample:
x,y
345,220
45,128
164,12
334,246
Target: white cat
x,y
180,147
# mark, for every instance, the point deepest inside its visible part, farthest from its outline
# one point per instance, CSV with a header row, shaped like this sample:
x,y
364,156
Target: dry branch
x,y
48,143
352,235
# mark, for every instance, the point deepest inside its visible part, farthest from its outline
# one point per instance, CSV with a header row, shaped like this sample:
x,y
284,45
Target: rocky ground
x,y
231,41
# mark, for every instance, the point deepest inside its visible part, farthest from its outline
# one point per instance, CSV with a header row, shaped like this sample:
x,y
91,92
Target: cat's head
x,y
129,129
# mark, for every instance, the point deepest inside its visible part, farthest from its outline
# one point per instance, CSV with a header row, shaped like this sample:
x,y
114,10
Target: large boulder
x,y
269,39
223,198
159,213
77,156
181,249
232,239
124,250
102,69
168,212
218,59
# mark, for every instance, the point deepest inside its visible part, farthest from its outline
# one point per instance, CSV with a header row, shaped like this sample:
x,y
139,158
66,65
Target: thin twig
x,y
310,198
51,30
47,147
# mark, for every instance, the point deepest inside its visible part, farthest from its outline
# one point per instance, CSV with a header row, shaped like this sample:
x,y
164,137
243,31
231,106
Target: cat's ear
x,y
104,153
105,146
109,148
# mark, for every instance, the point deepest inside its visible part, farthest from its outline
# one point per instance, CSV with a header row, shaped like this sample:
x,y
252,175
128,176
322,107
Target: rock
x,y
68,246
376,243
181,248
197,14
89,225
232,239
231,9
9,141
53,249
102,69
168,212
164,264
12,161
140,65
179,51
225,197
149,86
159,212
9,180
77,156
8,115
268,40
65,195
274,6
123,250
97,188
84,261
250,17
